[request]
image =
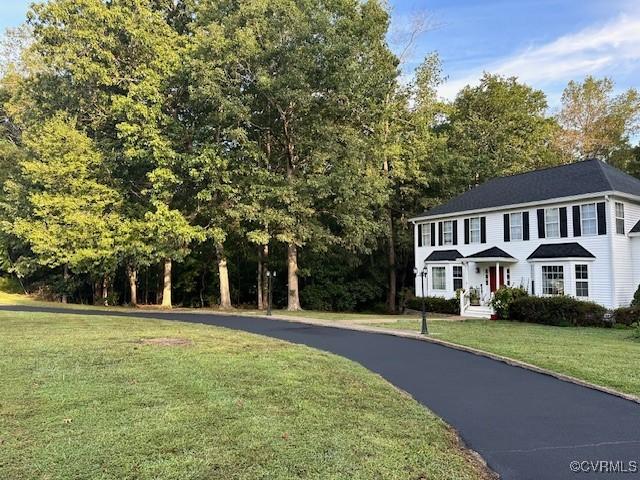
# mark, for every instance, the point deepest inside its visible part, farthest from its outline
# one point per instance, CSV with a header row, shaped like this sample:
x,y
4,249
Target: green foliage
x,y
449,306
627,315
636,298
559,311
504,297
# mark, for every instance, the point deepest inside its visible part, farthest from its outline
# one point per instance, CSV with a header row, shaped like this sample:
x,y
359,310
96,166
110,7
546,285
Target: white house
x,y
568,230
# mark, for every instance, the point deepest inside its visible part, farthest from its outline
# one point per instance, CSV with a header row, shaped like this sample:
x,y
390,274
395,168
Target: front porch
x,y
484,272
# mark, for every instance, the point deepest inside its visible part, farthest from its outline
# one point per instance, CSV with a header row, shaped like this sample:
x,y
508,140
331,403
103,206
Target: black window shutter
x,y
466,231
602,219
433,234
420,226
483,229
541,223
440,233
507,232
563,222
455,232
577,226
525,225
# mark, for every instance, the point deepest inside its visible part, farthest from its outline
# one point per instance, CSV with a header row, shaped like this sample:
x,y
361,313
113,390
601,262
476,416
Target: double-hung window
x,y
582,280
426,234
447,232
588,219
438,279
552,222
474,230
552,280
620,218
457,277
515,226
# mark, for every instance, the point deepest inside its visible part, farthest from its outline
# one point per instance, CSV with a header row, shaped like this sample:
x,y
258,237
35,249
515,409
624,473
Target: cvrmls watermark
x,y
604,466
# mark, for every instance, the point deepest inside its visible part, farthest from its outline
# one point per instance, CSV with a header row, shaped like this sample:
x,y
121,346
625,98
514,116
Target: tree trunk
x,y
293,299
263,267
105,291
259,283
166,285
65,277
223,273
132,273
391,261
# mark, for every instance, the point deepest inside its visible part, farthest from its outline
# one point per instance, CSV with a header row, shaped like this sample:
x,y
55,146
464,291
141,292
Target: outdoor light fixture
x,y
423,274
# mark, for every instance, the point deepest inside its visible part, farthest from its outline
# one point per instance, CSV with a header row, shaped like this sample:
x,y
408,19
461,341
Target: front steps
x,y
478,312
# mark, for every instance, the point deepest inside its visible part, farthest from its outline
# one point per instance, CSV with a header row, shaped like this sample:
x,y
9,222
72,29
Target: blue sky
x,y
545,43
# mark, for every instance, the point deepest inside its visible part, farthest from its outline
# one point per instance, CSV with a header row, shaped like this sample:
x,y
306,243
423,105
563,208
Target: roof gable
x,y
588,176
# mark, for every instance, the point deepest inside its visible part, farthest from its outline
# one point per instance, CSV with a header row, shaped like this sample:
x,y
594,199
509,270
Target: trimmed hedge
x,y
436,304
627,315
558,311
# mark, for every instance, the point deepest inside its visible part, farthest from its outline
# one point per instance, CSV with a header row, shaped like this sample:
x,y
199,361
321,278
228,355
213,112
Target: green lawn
x,y
90,398
608,357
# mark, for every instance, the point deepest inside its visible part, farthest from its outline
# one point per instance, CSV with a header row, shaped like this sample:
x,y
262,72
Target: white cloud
x,y
593,50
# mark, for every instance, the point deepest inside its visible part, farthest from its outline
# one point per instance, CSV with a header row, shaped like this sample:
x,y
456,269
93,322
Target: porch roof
x,y
493,254
443,256
560,250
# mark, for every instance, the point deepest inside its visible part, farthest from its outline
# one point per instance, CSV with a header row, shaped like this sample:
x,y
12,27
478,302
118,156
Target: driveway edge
x,y
456,346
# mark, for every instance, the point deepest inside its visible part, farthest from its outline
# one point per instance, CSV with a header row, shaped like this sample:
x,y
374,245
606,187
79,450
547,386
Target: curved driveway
x,y
526,425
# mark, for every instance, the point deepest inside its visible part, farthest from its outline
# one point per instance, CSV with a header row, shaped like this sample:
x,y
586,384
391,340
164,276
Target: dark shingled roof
x,y
493,252
636,228
588,176
443,256
560,250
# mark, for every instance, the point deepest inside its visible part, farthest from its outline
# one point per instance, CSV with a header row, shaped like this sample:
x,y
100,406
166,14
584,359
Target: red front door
x,y
492,278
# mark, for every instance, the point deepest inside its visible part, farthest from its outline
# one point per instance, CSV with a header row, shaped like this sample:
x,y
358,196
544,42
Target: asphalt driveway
x,y
526,425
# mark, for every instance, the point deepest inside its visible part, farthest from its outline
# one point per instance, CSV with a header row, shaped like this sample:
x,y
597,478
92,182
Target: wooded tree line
x,y
175,151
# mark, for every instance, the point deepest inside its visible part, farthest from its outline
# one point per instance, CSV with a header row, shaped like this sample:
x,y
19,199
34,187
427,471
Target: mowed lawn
x,y
608,357
101,397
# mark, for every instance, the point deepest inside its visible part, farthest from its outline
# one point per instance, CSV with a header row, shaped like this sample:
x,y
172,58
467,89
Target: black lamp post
x,y
423,275
270,277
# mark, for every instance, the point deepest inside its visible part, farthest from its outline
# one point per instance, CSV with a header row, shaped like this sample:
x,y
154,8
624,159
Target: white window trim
x,y
619,218
594,219
521,226
547,223
426,234
433,277
454,278
576,280
542,280
445,232
478,230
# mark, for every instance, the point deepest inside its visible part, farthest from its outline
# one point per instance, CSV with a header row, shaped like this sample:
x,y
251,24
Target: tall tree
x,y
306,76
595,122
57,204
501,127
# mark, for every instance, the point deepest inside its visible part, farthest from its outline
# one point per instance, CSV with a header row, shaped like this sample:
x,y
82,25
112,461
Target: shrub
x,y
636,298
436,304
559,311
504,297
627,315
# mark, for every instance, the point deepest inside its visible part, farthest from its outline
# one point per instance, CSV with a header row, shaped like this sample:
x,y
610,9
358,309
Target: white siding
x,y
603,287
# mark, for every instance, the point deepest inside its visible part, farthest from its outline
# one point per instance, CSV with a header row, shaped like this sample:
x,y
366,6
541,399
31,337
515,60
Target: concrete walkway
x,y
526,425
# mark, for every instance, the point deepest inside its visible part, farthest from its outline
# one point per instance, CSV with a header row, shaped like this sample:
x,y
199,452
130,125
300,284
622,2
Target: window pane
x,y
620,218
552,222
457,277
448,232
474,230
426,234
552,280
438,278
589,219
515,222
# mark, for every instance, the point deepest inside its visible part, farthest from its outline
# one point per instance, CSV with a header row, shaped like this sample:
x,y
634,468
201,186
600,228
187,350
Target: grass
x,y
607,357
86,397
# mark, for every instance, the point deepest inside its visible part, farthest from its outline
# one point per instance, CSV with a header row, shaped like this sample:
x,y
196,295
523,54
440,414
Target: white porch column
x,y
497,275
